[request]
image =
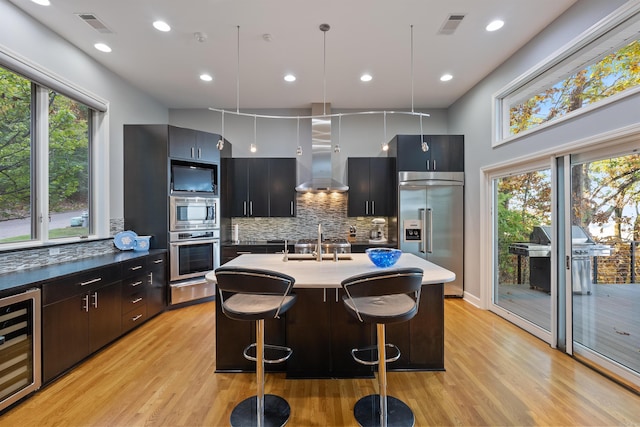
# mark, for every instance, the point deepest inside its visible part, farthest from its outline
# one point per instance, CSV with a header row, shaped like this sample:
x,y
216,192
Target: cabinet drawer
x,y
133,267
134,300
78,283
135,284
134,318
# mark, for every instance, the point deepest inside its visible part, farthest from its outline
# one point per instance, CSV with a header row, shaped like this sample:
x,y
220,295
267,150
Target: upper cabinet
x,y
263,187
192,144
371,186
445,153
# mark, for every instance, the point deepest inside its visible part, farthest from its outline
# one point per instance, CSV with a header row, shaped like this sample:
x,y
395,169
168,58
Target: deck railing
x,y
621,267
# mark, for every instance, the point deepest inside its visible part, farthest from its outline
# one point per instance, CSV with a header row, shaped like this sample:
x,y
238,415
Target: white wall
x,y
21,34
471,116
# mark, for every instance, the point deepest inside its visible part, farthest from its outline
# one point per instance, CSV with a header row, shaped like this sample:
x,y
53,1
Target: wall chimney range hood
x,y
321,169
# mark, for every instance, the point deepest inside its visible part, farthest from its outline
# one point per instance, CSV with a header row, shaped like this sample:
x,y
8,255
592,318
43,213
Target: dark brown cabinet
x,y
371,186
262,187
445,153
322,333
190,144
83,312
80,315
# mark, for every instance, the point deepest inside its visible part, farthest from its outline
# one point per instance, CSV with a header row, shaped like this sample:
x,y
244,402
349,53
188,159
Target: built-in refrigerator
x,y
430,222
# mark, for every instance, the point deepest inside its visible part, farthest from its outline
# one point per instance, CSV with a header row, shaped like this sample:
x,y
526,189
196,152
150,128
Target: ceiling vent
x,y
94,22
450,25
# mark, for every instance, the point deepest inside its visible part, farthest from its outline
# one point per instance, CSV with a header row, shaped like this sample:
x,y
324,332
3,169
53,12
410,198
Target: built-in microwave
x,y
188,177
194,213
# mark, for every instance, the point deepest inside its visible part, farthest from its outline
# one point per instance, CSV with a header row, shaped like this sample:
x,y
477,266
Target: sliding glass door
x,y
522,241
605,207
566,256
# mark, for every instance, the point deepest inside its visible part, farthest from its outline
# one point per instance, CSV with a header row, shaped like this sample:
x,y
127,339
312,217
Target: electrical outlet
x,y
54,251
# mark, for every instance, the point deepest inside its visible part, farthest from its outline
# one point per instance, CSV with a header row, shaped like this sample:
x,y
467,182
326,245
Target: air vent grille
x,y
94,22
451,24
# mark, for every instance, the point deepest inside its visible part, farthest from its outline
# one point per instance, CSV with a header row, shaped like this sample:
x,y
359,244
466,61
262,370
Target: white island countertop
x,y
329,273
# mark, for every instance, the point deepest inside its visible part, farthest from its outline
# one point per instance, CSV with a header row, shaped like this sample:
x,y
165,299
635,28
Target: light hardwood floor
x,y
162,374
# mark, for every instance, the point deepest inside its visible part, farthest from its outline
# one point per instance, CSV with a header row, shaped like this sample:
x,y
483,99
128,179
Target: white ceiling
x,y
371,36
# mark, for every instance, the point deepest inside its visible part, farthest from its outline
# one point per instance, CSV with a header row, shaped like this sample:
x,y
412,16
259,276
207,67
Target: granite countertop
x,y
15,281
329,274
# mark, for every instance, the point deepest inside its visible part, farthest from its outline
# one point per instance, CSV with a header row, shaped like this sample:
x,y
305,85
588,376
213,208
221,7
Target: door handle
x,y
95,299
85,303
423,218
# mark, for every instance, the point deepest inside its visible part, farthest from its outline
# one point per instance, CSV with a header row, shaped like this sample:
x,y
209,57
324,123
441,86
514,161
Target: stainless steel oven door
x,y
193,258
193,213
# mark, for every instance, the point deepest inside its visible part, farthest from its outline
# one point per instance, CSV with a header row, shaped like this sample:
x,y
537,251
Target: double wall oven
x,y
194,240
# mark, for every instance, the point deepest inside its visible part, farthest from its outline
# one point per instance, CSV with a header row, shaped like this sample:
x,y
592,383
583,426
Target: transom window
x,y
599,67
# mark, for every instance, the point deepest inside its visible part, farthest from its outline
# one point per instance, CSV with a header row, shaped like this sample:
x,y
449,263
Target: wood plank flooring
x,y
162,374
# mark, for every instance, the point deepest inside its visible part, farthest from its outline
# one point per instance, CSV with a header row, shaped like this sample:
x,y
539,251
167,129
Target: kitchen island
x,y
319,329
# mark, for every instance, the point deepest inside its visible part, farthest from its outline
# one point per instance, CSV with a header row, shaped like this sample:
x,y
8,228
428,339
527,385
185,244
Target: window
x,y
35,168
597,68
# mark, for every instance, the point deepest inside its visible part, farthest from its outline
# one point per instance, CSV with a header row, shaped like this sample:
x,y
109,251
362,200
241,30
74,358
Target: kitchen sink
x,y
325,257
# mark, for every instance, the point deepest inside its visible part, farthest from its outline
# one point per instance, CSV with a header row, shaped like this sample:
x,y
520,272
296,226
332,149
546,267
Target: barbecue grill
x,y
538,250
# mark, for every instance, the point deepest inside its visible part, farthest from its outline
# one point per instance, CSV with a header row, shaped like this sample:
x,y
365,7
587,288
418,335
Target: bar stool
x,y
255,295
381,297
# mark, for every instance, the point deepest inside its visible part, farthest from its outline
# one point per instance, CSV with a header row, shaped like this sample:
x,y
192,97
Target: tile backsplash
x,y
29,258
328,209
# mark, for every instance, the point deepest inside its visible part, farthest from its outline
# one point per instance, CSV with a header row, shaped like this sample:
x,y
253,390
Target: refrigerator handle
x,y
429,243
423,244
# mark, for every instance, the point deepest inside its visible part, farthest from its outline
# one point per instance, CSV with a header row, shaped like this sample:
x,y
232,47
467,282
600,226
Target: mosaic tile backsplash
x,y
23,259
328,209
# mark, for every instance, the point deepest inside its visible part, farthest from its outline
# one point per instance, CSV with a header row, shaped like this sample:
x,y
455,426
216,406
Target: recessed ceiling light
x,y
102,47
446,77
290,78
42,2
205,77
161,26
495,25
366,78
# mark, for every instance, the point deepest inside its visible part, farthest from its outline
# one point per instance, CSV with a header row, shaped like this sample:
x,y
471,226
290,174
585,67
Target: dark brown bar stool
x,y
256,295
381,297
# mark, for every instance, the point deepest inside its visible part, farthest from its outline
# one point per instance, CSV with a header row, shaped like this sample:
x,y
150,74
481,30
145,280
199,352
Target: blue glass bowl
x,y
383,257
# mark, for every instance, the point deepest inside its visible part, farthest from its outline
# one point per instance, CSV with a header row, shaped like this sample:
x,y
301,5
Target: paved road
x,y
19,227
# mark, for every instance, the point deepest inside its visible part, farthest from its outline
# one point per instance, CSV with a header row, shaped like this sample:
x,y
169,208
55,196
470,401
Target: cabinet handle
x,y
199,152
292,208
250,208
88,282
373,207
324,294
336,289
85,303
243,252
137,267
151,277
95,299
134,284
192,152
158,261
135,301
133,319
428,165
366,207
244,208
434,164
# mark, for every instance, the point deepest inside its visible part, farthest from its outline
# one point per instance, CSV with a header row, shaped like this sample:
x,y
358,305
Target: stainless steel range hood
x,y
321,170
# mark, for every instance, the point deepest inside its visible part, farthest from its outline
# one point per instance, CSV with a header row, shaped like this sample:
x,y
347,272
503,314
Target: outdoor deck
x,y
607,321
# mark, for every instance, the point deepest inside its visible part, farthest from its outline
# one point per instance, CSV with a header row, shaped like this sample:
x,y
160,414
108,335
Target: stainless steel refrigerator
x,y
430,220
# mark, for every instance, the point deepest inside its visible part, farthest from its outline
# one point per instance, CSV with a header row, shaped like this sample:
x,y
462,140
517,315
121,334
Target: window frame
x,y
585,42
98,159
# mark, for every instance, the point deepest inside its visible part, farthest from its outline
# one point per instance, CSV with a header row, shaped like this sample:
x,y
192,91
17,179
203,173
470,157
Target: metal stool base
x,y
367,412
276,412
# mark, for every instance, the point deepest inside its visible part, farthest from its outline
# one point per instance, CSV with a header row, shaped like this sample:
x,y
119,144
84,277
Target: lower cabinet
x,y
322,333
83,312
76,326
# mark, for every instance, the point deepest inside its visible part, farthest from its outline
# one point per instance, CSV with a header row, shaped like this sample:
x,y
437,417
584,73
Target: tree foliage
x,y
68,148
